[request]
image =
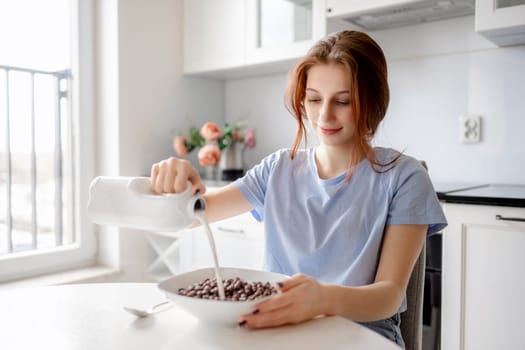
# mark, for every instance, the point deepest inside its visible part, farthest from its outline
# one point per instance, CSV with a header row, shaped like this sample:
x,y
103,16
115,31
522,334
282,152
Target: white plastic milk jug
x,y
129,202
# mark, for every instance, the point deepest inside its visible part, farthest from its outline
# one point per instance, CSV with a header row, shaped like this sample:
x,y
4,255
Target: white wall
x,y
260,102
437,72
155,99
142,99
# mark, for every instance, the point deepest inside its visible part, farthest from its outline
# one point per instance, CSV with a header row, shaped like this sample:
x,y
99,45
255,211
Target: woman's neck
x,y
332,161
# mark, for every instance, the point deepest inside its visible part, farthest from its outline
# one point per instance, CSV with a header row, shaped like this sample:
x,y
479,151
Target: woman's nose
x,y
325,113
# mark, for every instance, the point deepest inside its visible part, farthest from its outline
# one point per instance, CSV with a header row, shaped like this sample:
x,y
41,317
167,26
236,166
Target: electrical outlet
x,y
470,128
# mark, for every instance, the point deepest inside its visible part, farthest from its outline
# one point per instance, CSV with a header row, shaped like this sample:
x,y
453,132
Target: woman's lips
x,y
329,131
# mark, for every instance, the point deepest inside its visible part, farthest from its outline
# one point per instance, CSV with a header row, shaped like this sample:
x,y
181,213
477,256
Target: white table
x,y
90,316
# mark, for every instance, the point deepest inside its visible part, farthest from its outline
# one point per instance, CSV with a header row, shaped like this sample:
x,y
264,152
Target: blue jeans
x,y
389,328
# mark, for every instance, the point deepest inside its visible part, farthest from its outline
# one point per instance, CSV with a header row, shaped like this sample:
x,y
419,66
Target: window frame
x,y
83,252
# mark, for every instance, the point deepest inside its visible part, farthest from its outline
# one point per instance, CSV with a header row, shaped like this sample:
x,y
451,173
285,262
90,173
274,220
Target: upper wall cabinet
x,y
213,35
238,38
501,21
386,14
280,30
233,38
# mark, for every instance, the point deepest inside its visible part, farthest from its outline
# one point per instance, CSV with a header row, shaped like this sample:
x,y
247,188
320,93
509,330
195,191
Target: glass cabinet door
x,y
283,22
282,29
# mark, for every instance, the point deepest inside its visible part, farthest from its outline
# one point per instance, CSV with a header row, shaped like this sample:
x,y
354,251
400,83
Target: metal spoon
x,y
146,312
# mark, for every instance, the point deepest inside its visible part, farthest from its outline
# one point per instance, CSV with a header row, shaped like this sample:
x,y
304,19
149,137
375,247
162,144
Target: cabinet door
x,y
213,35
502,21
483,278
336,8
239,243
231,252
278,30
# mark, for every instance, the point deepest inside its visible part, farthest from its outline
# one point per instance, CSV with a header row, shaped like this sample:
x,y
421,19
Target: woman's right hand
x,y
171,176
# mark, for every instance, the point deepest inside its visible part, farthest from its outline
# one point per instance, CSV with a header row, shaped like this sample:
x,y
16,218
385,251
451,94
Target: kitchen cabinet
x,y
233,38
239,242
501,21
168,255
338,8
483,277
386,14
213,35
282,30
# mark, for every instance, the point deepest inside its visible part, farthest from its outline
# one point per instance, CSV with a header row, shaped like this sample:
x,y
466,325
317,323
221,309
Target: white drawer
x,y
242,226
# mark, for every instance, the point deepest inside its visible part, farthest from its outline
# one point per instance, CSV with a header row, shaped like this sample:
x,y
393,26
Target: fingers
x,y
179,181
277,311
169,178
172,176
155,178
195,179
273,318
298,301
279,301
292,282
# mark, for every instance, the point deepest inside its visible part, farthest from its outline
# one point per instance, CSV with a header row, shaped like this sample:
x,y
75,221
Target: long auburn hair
x,y
369,96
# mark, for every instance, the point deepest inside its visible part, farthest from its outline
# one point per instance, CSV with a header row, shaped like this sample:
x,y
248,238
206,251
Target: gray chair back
x,y
412,318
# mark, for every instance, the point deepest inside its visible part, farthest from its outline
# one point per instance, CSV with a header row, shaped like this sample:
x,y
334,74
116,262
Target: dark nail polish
x,y
280,284
197,191
242,323
256,311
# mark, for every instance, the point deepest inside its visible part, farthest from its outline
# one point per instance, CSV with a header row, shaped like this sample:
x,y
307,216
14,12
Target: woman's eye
x,y
313,100
342,103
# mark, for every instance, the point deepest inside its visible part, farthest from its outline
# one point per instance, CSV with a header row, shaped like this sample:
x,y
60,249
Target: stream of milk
x,y
199,214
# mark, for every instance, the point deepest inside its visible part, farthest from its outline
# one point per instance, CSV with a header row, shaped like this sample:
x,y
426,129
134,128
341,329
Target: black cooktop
x,y
485,194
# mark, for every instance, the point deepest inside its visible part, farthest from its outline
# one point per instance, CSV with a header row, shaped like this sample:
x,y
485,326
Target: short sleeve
x,y
414,200
253,184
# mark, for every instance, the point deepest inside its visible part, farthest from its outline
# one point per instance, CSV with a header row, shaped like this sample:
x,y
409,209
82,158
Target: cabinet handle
x,y
499,217
231,230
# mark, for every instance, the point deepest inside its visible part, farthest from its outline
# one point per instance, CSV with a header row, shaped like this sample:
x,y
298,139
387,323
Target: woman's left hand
x,y
300,298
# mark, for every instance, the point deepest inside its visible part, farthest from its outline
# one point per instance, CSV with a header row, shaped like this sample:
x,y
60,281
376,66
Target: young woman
x,y
346,220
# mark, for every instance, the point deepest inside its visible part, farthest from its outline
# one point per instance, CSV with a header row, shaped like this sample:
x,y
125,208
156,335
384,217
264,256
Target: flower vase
x,y
212,173
232,162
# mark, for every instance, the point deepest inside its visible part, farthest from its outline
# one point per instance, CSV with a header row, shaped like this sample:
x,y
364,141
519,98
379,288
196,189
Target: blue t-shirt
x,y
330,230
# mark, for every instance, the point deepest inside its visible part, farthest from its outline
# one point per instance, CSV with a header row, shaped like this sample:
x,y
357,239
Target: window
x,y
45,125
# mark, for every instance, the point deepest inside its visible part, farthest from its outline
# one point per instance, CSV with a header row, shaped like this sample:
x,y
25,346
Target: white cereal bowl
x,y
216,312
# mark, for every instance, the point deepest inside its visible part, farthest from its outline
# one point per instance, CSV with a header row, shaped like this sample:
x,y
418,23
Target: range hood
x,y
384,14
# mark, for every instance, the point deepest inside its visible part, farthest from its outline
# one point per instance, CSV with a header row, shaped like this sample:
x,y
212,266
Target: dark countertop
x,y
482,194
462,193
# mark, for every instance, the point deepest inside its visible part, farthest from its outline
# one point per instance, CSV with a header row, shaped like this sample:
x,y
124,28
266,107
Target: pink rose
x,y
210,131
236,137
209,155
249,138
179,146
